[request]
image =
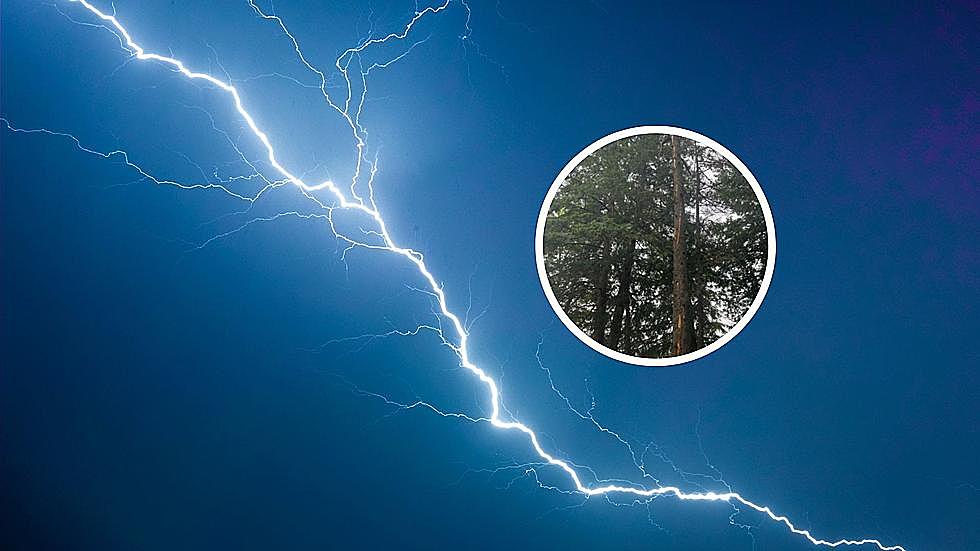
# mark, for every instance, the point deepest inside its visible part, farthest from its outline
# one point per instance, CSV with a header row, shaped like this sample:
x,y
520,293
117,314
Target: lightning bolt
x,y
350,67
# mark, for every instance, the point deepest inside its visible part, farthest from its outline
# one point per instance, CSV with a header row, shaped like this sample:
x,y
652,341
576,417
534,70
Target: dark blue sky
x,y
159,397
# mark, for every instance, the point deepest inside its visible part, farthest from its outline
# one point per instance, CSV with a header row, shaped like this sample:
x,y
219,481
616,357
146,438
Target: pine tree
x,y
655,245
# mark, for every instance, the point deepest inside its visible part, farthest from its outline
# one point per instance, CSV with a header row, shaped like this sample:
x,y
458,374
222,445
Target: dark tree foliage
x,y
610,248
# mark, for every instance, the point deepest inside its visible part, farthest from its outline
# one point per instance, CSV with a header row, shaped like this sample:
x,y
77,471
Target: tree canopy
x,y
655,245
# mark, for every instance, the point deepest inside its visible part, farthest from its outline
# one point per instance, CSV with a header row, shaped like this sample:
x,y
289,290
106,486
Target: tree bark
x,y
602,299
698,318
682,300
622,295
627,345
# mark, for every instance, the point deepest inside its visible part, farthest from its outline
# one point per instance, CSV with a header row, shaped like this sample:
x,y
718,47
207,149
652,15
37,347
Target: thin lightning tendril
x,y
349,59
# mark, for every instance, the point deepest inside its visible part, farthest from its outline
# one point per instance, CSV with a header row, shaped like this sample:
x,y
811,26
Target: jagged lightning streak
x,y
461,345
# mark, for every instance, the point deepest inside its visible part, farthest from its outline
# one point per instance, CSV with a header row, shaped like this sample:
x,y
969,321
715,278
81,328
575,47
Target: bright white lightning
x,y
356,203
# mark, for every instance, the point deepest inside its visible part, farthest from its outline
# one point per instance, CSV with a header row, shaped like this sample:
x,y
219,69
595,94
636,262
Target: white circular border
x,y
546,206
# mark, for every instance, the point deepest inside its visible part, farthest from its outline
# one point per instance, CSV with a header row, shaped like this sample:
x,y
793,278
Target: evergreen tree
x,y
655,245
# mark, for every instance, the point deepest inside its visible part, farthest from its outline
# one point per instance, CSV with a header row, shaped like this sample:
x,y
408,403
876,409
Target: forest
x,y
655,245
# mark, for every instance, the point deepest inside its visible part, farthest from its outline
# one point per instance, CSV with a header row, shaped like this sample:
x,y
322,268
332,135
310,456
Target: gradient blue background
x,y
155,398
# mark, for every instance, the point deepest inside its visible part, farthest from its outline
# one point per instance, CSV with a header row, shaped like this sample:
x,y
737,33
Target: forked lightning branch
x,y
359,196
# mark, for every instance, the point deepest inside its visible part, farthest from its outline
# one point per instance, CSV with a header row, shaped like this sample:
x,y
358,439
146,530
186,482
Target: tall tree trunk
x,y
601,319
697,272
682,300
627,346
622,294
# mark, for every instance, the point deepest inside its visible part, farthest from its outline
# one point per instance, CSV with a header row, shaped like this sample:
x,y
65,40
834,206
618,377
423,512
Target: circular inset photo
x,y
655,245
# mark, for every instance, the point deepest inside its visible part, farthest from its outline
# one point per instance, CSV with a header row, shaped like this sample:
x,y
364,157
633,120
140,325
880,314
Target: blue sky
x,y
156,395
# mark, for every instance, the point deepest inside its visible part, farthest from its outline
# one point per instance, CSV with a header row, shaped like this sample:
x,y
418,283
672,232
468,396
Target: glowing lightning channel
x,y
461,349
